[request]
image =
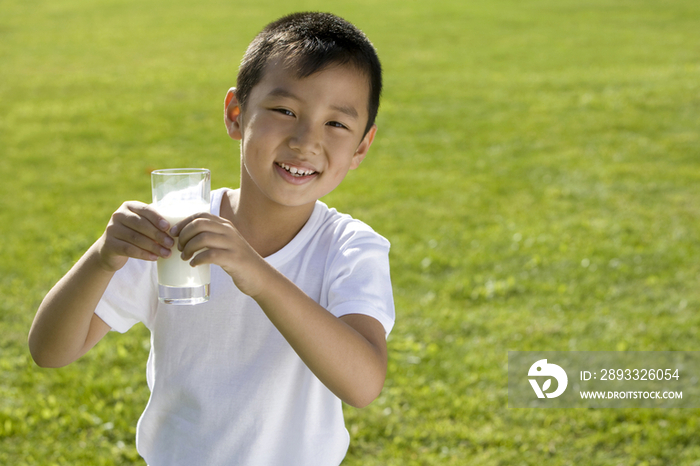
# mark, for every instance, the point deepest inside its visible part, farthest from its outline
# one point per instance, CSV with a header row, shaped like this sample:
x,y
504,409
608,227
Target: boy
x,y
301,299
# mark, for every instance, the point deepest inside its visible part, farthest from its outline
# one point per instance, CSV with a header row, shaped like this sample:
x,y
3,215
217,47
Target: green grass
x,y
537,171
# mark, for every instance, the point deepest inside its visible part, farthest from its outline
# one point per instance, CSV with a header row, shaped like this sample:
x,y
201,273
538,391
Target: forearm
x,y
342,358
61,326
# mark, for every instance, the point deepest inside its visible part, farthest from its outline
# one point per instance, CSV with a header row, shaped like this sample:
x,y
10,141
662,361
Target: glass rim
x,y
180,171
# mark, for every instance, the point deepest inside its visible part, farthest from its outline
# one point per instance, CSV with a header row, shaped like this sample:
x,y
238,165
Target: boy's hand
x,y
135,230
221,244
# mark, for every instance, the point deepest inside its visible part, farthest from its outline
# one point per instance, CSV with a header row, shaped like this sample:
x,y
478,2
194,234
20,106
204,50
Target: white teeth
x,y
296,171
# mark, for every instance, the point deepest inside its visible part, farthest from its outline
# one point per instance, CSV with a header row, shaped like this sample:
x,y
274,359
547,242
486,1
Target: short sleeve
x,y
359,278
130,297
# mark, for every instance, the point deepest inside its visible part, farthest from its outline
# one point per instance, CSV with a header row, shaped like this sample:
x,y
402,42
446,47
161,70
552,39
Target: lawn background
x,y
537,170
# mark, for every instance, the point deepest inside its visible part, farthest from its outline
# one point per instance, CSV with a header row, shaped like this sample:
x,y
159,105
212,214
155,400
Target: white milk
x,y
173,271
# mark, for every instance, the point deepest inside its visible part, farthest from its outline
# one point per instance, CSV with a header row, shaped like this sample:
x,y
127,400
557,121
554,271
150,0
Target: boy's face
x,y
299,137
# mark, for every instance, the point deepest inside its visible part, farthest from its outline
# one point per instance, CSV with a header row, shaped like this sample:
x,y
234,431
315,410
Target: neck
x,y
265,225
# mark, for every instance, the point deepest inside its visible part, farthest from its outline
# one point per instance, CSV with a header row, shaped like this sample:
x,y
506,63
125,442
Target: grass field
x,y
537,170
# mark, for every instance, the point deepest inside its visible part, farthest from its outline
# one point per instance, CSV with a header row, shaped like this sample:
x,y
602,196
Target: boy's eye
x,y
284,111
336,124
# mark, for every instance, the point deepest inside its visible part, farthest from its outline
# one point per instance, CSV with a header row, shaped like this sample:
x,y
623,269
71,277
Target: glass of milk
x,y
177,194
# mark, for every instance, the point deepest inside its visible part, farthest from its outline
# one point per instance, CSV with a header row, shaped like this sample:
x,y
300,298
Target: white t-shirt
x,y
226,387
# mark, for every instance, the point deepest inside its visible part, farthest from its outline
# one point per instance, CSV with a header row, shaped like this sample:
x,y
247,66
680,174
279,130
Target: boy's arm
x,y
65,326
348,354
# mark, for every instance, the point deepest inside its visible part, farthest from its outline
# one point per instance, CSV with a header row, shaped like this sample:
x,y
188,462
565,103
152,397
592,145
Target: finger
x,y
194,225
204,240
205,256
118,247
150,213
140,218
211,256
206,232
179,226
122,234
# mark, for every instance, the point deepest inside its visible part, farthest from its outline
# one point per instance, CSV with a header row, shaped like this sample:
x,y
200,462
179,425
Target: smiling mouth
x,y
294,171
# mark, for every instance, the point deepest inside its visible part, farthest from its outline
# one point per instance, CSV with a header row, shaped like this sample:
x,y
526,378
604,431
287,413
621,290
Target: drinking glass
x,y
177,194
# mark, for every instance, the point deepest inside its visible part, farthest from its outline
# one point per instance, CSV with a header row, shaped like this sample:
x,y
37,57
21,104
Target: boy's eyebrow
x,y
346,109
280,92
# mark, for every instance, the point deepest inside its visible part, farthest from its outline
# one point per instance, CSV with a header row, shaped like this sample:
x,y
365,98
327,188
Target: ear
x,y
363,148
232,115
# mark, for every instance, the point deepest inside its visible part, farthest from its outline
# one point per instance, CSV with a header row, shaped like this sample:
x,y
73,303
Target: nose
x,y
305,139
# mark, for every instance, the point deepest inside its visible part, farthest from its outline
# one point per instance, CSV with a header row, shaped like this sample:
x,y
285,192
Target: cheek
x,y
258,126
338,170
258,138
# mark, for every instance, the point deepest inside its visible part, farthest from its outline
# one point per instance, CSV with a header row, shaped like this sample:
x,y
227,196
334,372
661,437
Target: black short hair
x,y
309,42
